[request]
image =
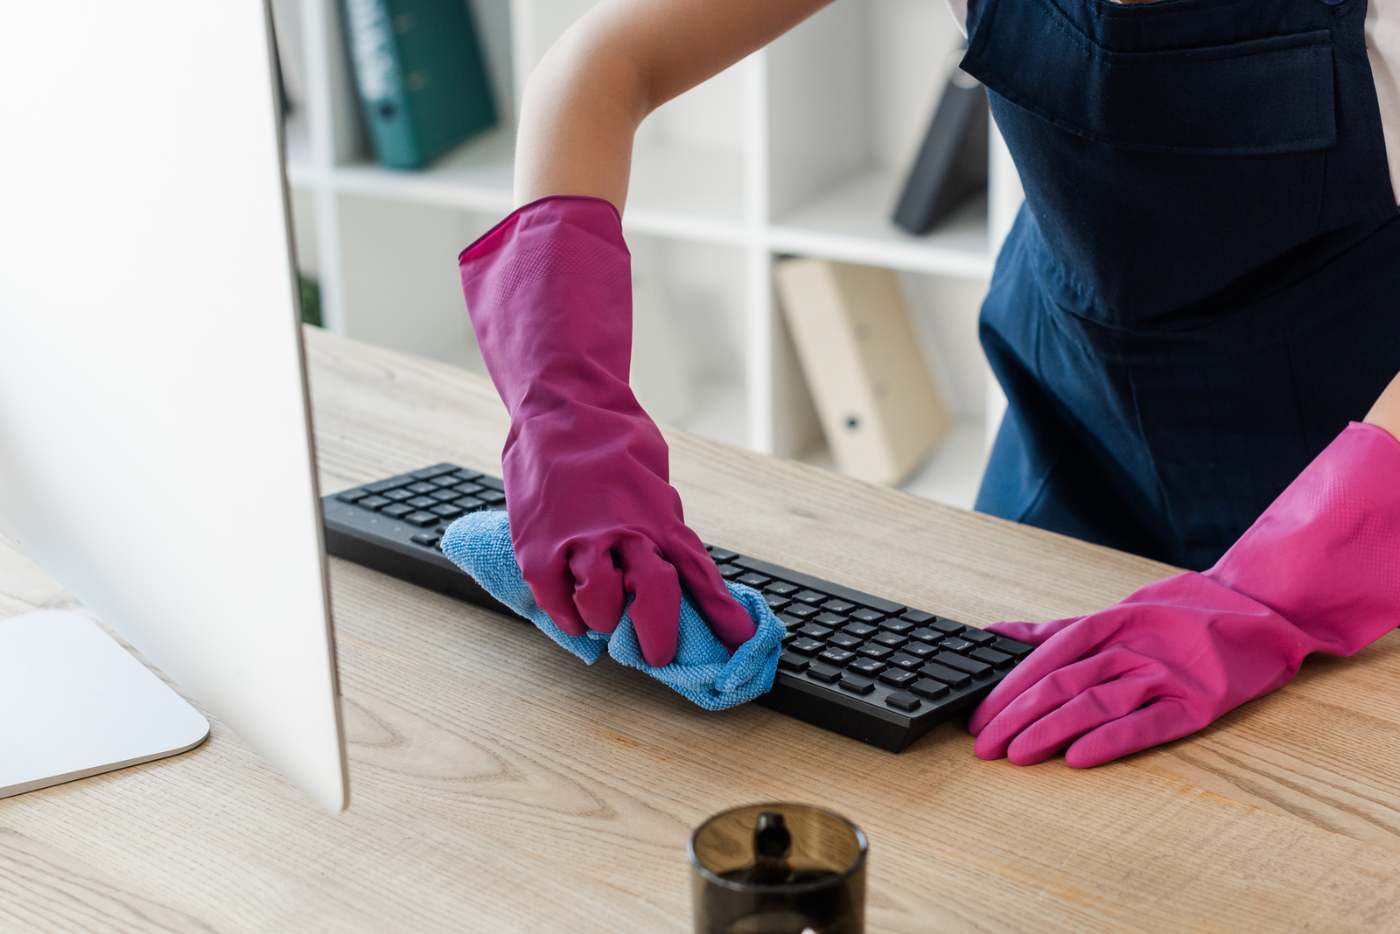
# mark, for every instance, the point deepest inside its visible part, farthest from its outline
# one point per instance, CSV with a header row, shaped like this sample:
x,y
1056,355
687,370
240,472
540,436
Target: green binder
x,y
421,77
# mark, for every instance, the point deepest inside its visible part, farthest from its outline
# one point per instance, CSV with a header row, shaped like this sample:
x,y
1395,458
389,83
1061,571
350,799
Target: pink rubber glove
x,y
1318,572
593,515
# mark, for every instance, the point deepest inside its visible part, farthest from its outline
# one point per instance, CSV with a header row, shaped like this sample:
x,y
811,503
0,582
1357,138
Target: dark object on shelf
x,y
952,162
310,291
853,663
421,75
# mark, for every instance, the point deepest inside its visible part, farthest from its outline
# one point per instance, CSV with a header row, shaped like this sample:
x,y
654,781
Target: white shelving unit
x,y
800,149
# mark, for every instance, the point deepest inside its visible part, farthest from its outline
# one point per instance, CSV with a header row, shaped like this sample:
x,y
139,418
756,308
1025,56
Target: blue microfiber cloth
x,y
703,671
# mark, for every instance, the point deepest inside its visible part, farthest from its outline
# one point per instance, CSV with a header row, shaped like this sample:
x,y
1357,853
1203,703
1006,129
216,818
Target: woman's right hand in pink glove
x,y
594,518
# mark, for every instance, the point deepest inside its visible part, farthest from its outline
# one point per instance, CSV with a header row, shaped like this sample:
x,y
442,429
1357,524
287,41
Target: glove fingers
x,y
1064,648
1098,705
994,733
656,603
1153,725
553,589
598,593
727,619
1032,633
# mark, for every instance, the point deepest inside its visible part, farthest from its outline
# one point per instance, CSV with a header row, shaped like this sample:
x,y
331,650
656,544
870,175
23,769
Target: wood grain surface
x,y
499,785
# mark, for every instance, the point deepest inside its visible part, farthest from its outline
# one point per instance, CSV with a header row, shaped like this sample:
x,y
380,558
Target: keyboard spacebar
x,y
816,583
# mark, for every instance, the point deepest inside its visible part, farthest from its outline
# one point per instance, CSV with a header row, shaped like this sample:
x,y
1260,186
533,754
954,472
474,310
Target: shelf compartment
x,y
943,312
851,221
849,95
950,474
477,175
688,347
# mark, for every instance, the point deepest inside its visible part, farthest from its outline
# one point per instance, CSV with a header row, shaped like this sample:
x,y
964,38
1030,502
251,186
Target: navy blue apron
x,y
1203,285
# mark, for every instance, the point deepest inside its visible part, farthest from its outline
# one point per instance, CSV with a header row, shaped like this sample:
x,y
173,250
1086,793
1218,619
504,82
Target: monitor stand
x,y
74,703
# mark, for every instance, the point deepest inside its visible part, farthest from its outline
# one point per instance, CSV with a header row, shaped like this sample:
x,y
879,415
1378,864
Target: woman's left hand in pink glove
x,y
1166,662
1316,573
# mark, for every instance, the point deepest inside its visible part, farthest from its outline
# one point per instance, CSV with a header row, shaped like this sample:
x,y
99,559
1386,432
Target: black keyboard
x,y
863,666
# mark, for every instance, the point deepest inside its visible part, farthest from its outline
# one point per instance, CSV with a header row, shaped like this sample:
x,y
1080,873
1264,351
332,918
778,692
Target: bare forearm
x,y
618,63
1386,411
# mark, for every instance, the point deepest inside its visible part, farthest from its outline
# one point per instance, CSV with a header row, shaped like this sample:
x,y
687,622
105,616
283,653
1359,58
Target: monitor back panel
x,y
155,451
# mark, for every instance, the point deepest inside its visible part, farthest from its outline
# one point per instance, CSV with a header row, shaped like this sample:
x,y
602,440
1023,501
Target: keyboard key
x,y
729,572
422,487
781,588
465,474
917,617
821,672
810,596
992,657
925,634
897,677
352,496
1012,647
954,644
445,482
825,589
775,602
856,684
426,539
971,666
374,502
905,661
876,651
866,666
831,619
396,511
392,483
836,656
444,496
947,675
791,661
929,688
860,630
903,700
437,470
448,511
977,636
789,621
469,489
813,631
421,518
754,580
838,606
491,497
397,496
896,625
892,639
492,482
847,641
921,649
719,554
948,626
806,646
867,615
802,610
422,502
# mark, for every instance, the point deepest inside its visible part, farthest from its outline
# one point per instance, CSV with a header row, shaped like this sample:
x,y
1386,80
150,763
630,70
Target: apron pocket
x,y
1262,96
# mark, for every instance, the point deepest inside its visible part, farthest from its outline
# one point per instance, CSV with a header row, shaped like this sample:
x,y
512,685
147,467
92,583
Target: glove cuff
x,y
549,293
1326,554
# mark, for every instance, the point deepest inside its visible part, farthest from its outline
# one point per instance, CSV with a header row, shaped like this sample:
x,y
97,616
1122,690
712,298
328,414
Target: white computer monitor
x,y
155,443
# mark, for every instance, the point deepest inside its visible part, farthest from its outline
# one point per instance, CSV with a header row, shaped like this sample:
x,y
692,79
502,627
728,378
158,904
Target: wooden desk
x,y
497,785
